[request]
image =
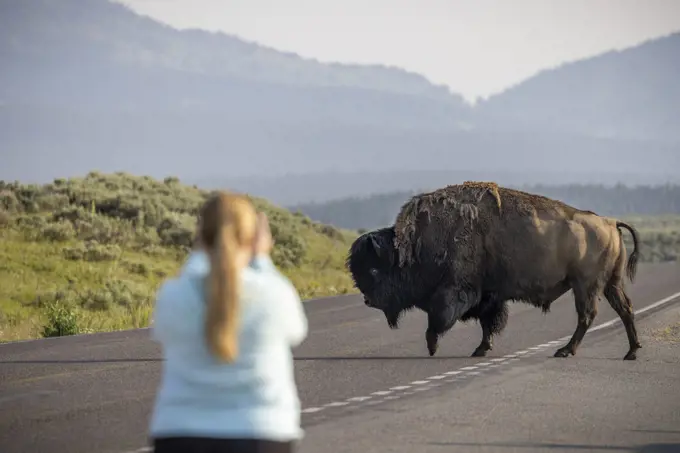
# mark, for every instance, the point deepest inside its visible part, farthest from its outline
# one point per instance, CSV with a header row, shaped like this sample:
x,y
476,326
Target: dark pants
x,y
209,445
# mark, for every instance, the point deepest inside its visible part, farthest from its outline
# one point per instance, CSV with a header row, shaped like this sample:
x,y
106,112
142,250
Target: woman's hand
x,y
263,238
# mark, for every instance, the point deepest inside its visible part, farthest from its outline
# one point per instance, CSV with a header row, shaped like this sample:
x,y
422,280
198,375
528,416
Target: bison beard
x,y
463,251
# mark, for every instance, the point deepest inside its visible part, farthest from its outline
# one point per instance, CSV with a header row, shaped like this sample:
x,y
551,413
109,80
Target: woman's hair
x,y
228,223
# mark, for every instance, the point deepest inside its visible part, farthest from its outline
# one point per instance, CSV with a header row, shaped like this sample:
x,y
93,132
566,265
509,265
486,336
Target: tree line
x,y
380,210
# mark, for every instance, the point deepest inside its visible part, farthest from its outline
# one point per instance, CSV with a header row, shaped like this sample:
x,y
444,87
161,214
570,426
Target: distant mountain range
x,y
89,84
629,94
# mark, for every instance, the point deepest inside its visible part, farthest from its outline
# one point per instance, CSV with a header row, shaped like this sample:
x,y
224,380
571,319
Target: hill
x,y
87,254
90,84
629,94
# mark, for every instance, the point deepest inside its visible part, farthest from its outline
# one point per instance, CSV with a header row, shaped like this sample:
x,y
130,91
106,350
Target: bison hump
x,y
464,201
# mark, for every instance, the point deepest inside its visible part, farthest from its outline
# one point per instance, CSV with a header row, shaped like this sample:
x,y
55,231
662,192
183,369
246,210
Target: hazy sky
x,y
476,47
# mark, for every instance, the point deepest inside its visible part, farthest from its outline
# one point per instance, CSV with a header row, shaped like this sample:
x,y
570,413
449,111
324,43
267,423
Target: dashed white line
x,y
381,393
311,410
359,398
337,404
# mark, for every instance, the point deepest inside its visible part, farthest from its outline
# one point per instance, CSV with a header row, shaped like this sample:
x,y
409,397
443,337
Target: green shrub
x,y
58,231
139,268
9,201
93,252
177,230
5,218
115,293
62,320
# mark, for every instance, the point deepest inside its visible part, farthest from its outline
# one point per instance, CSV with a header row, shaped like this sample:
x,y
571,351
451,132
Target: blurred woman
x,y
226,325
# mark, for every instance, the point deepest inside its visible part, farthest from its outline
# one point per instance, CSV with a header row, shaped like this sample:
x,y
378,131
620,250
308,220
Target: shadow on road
x,y
421,357
655,431
647,448
66,361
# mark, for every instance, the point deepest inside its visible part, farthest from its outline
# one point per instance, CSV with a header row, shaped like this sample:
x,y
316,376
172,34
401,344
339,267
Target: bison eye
x,y
374,272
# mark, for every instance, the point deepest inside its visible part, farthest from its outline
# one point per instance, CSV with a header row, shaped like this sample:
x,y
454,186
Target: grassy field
x,y
87,254
659,237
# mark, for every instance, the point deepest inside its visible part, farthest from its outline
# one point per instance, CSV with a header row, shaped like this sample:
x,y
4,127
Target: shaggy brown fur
x,y
514,245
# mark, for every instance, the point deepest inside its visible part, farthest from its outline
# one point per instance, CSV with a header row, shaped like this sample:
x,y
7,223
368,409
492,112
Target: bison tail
x,y
631,266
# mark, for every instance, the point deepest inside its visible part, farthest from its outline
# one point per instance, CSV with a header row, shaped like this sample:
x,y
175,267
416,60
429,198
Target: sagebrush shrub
x,y
57,231
5,218
93,252
138,268
9,201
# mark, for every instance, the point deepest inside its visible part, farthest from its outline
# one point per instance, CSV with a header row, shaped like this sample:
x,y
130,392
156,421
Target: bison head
x,y
372,263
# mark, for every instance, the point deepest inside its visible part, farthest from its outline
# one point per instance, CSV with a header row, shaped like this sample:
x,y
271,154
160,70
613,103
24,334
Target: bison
x,y
464,251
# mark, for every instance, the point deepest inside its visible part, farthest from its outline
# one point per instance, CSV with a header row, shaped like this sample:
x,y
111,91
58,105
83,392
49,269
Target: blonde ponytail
x,y
223,295
227,228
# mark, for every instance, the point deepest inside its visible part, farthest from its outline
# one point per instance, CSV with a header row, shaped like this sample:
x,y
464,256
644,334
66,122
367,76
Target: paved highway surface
x,y
366,388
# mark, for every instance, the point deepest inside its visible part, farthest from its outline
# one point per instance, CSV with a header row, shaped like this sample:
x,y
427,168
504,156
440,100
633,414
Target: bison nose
x,y
367,302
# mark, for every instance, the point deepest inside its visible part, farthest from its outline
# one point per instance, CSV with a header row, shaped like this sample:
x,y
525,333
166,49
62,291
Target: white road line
x,y
311,410
359,398
462,373
663,301
337,404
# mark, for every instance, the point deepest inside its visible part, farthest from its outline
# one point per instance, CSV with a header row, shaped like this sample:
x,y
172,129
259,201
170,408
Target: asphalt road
x,y
366,388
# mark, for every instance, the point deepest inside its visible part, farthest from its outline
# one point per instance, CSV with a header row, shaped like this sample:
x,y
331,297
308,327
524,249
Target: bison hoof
x,y
432,343
479,352
432,348
563,352
632,355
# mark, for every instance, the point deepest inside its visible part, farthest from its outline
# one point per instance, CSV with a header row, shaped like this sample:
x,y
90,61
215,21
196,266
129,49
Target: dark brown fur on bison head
x,y
373,266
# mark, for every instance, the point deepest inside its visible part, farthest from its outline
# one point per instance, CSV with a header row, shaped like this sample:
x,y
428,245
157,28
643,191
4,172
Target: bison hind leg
x,y
620,302
493,321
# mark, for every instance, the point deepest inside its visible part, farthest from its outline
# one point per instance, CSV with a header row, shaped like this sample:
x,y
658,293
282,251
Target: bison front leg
x,y
493,321
446,307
